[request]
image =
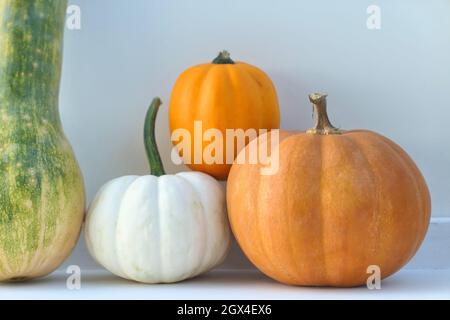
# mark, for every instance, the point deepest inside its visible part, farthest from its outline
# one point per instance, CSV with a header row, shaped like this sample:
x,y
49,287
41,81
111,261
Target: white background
x,y
395,80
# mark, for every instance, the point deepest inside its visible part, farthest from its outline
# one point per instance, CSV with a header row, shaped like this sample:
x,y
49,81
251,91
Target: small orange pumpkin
x,y
341,201
222,95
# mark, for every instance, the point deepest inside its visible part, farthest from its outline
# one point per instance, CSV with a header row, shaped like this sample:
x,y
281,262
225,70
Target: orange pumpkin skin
x,y
222,96
337,205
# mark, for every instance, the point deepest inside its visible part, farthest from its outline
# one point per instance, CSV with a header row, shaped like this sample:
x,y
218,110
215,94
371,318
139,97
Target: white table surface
x,y
239,285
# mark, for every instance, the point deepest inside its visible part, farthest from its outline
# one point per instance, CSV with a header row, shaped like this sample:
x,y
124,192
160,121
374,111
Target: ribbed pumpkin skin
x,y
41,189
223,96
338,204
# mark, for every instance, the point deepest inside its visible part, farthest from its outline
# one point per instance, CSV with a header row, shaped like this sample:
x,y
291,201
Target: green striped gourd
x,y
41,187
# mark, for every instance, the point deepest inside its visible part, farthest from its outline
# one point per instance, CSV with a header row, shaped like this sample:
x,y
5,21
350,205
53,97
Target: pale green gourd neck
x,y
31,44
154,158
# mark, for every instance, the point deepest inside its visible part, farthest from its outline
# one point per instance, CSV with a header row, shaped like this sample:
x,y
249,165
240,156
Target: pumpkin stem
x,y
223,58
154,159
323,125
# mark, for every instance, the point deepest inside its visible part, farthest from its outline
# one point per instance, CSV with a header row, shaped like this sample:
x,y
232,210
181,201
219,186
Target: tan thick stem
x,y
322,125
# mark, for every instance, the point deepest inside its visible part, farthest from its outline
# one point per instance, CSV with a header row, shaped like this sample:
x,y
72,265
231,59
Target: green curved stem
x,y
153,156
223,58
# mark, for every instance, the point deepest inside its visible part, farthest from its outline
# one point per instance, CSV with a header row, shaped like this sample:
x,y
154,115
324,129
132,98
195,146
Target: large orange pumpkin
x,y
222,95
340,202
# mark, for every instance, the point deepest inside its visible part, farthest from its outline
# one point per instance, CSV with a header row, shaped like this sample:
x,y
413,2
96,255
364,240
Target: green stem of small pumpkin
x,y
223,58
154,158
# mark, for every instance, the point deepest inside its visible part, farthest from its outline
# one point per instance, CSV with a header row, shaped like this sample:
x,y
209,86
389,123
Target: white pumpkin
x,y
159,229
